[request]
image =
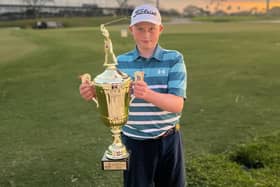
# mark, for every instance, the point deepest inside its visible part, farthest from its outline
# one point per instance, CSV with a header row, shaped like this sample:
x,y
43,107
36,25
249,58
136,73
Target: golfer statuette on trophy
x,y
112,99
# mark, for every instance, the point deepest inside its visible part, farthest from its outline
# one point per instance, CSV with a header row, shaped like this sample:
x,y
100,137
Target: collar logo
x,y
144,11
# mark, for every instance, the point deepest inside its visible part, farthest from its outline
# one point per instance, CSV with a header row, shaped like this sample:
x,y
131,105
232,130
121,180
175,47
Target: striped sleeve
x,y
177,78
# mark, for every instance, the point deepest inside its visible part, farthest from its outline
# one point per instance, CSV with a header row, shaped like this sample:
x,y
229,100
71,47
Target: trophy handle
x,y
87,78
138,76
132,98
96,102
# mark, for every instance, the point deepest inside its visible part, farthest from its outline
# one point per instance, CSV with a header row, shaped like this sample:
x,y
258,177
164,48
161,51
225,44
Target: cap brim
x,y
143,20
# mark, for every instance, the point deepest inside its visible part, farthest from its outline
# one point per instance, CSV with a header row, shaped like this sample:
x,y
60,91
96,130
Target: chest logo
x,y
161,71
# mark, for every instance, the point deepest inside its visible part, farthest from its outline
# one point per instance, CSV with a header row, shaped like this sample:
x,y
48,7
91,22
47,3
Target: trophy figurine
x,y
112,99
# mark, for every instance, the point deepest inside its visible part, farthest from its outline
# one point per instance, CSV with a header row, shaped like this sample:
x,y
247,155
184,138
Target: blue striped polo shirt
x,y
164,72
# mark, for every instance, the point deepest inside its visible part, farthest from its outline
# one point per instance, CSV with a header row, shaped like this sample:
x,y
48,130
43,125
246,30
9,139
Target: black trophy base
x,y
109,164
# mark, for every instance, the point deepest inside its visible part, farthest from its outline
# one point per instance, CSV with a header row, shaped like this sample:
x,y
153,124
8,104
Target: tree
x,y
253,10
35,6
192,10
173,12
267,6
238,8
123,6
217,4
122,3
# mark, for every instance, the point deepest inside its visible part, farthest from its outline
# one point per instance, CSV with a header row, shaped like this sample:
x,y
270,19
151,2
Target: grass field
x,y
49,136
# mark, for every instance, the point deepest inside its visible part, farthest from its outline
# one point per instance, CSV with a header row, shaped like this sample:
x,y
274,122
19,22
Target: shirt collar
x,y
156,55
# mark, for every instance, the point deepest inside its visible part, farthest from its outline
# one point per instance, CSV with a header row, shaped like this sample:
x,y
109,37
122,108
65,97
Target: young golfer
x,y
152,134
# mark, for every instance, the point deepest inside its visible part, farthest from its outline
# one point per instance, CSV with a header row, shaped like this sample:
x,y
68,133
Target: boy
x,y
151,133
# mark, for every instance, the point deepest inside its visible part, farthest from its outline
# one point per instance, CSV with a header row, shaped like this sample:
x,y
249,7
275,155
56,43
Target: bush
x,y
255,155
253,164
216,170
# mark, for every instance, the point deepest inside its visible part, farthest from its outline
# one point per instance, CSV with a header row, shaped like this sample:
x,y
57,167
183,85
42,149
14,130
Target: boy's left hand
x,y
141,89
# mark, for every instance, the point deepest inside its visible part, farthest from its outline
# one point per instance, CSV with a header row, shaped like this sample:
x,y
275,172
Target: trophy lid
x,y
111,75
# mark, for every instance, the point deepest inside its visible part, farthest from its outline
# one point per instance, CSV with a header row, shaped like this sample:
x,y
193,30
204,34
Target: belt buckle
x,y
171,131
168,132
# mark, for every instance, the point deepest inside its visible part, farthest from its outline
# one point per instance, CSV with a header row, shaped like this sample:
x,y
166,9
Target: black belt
x,y
170,131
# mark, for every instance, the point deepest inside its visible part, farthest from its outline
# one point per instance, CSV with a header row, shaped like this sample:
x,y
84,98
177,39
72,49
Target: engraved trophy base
x,y
114,164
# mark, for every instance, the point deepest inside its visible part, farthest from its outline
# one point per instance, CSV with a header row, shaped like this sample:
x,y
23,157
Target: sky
x,y
232,5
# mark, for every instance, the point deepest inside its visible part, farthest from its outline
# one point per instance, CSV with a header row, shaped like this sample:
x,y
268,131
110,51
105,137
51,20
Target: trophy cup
x,y
112,99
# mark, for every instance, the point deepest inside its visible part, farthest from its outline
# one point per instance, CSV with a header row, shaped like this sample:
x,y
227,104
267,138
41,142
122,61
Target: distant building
x,y
55,6
22,10
275,11
66,3
10,8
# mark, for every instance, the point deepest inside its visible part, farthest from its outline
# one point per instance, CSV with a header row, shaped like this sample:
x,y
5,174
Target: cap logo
x,y
144,11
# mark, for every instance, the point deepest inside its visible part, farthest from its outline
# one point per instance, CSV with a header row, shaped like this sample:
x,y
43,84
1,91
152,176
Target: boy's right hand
x,y
87,91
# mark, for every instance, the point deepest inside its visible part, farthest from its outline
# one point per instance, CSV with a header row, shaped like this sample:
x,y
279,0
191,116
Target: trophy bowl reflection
x,y
112,98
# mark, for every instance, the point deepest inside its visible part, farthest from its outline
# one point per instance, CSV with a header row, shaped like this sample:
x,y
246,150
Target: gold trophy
x,y
112,99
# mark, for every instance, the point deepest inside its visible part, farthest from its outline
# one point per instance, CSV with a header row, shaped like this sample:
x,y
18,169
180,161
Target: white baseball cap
x,y
145,13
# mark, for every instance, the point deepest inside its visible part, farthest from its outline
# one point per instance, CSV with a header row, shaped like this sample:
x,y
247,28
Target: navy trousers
x,y
155,163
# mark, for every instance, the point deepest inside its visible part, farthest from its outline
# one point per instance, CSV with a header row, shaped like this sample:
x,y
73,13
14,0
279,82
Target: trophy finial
x,y
110,58
104,31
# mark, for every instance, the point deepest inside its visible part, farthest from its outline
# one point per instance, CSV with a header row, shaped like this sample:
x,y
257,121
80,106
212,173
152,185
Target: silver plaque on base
x,y
112,164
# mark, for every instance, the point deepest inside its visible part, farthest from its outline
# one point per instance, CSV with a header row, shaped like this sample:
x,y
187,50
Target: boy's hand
x,y
141,89
87,91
